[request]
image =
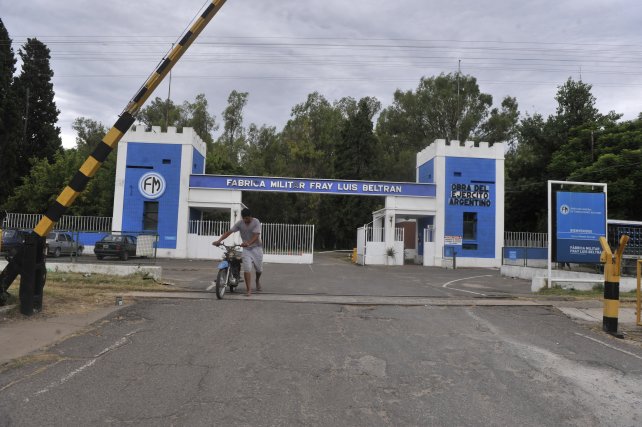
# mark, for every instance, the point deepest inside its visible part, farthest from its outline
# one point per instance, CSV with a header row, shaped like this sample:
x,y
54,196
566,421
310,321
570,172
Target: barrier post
x,y
637,311
612,266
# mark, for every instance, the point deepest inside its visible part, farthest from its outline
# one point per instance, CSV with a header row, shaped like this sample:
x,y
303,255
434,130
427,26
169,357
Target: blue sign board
x,y
581,220
307,185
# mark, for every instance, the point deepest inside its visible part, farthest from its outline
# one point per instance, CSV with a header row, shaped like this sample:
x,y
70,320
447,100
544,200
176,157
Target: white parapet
x,y
142,134
441,148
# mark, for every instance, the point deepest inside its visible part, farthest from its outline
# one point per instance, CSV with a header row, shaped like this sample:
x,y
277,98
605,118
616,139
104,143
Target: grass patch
x,y
46,358
69,293
596,293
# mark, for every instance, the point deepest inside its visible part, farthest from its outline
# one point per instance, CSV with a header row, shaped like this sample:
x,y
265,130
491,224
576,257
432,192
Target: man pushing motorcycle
x,y
250,230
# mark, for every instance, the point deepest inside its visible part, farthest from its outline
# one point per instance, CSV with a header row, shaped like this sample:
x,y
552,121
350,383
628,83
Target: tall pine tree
x,y
39,135
8,152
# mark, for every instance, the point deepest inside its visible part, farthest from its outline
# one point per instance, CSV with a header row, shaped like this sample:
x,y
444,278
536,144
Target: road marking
x,y
209,288
445,285
67,377
609,345
97,356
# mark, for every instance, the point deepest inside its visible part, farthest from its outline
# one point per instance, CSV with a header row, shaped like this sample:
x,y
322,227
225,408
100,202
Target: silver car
x,y
61,244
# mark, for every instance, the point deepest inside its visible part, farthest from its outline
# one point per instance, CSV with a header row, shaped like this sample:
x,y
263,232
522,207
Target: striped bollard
x,y
612,266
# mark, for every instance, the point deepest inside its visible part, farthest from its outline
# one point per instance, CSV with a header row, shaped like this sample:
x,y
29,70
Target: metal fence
x,y
288,239
208,228
67,222
524,239
633,248
376,234
278,239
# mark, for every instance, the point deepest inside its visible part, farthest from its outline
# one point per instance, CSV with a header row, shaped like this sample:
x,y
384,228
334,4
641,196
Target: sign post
x,y
578,220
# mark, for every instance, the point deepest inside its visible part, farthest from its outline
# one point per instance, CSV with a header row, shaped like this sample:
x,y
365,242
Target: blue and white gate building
x,y
454,209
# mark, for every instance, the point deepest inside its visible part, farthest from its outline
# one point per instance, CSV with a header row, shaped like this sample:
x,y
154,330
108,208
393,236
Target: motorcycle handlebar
x,y
228,247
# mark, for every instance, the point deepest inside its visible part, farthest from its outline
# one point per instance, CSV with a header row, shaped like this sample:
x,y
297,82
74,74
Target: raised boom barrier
x,y
29,261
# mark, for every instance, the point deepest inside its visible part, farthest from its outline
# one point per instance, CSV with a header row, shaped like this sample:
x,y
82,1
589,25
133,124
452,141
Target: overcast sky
x,y
280,51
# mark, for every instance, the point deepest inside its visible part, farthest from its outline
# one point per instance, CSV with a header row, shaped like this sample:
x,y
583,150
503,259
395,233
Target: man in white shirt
x,y
250,230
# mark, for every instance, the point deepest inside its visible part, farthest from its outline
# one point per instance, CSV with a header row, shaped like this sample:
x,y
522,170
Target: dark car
x,y
12,240
121,246
62,244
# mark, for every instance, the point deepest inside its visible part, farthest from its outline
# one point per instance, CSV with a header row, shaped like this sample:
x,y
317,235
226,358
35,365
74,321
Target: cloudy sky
x,y
280,51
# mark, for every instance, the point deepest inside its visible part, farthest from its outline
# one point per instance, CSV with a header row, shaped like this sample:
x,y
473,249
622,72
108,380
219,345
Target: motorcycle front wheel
x,y
221,283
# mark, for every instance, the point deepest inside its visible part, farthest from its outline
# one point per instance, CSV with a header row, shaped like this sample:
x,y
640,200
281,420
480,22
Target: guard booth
x,y
464,218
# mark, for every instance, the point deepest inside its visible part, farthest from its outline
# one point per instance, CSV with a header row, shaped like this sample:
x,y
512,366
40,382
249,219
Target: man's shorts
x,y
253,256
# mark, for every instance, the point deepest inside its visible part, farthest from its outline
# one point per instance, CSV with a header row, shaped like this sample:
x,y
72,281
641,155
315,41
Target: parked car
x,y
11,241
121,246
61,244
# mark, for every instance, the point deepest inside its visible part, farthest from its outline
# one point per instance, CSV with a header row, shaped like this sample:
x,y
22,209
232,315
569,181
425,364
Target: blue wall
x,y
427,172
518,252
164,159
198,162
479,174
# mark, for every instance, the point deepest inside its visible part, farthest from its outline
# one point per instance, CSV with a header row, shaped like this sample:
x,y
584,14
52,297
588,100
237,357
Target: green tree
x,y
195,114
444,107
161,112
98,197
9,167
618,162
575,105
550,149
35,101
502,124
89,133
359,153
359,157
45,180
266,152
43,183
231,144
311,135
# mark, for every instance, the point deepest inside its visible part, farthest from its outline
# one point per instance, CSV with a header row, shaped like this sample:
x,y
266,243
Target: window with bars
x,y
470,226
150,216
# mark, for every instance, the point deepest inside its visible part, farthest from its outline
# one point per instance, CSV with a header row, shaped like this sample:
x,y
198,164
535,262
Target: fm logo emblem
x,y
151,185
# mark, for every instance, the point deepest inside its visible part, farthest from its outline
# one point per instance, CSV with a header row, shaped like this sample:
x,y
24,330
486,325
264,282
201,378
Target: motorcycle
x,y
229,270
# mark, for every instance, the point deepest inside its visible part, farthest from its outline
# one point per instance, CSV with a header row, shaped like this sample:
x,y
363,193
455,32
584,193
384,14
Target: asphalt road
x,y
245,361
333,274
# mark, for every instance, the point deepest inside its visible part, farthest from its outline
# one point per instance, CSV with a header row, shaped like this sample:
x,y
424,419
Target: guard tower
x,y
152,184
469,219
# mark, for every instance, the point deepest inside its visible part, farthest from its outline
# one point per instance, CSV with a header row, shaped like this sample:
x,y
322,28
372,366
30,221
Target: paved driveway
x,y
333,274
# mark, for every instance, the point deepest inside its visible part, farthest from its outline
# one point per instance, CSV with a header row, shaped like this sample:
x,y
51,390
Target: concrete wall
x,y
108,269
539,278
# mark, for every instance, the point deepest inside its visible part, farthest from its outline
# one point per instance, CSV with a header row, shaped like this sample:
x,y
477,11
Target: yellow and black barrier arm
x,y
30,261
612,268
127,118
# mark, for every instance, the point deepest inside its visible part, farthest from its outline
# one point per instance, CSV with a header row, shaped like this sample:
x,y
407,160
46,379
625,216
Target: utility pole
x,y
169,94
24,129
458,112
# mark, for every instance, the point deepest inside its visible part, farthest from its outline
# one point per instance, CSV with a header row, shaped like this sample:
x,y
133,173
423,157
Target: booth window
x,y
470,225
150,216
